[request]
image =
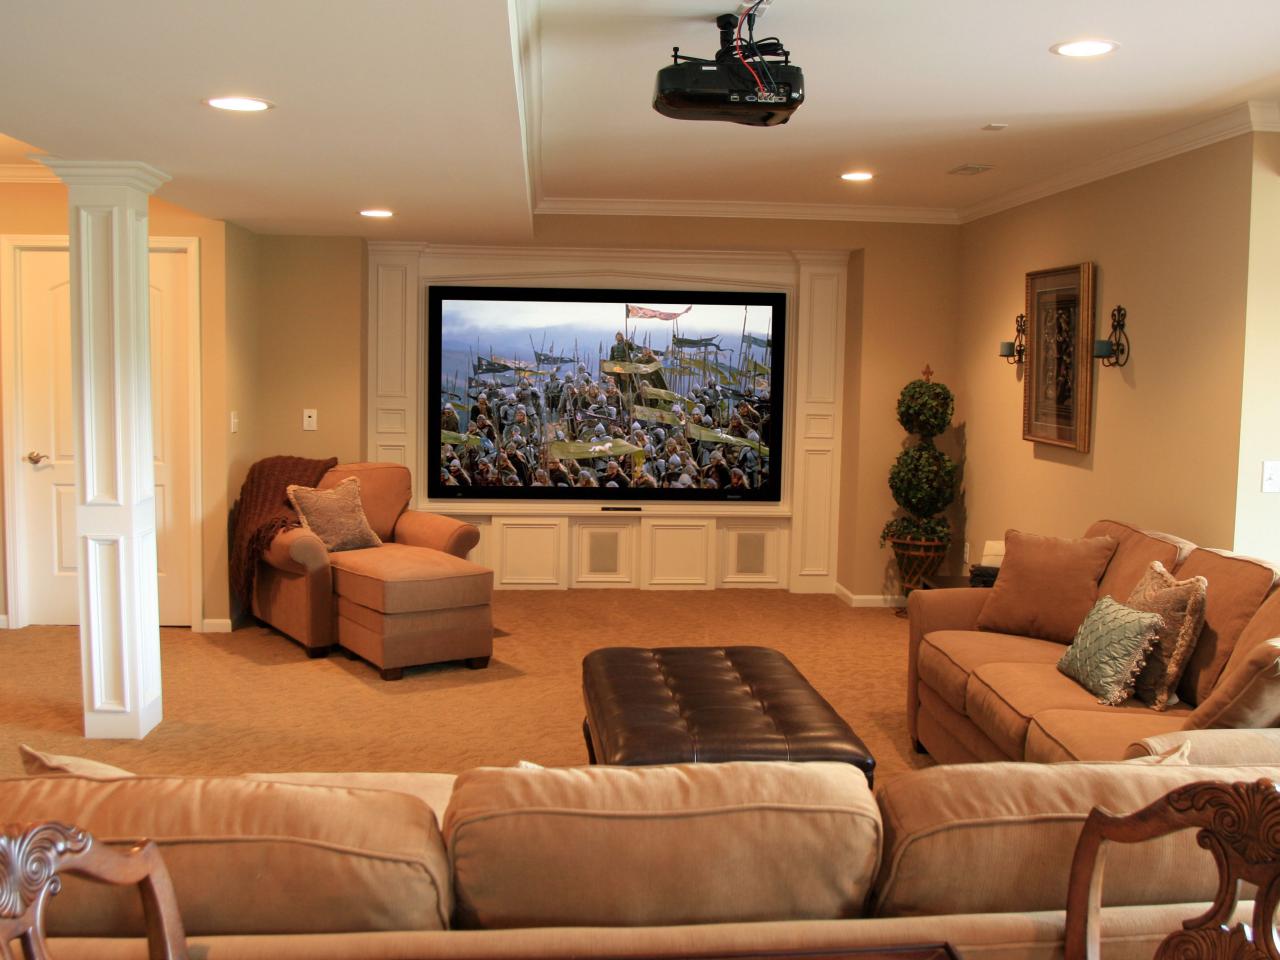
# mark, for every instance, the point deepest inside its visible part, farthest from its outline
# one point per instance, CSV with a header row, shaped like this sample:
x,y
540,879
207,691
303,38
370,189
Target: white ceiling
x,y
469,118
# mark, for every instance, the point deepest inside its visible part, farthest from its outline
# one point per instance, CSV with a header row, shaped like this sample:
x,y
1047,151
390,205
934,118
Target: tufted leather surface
x,y
709,705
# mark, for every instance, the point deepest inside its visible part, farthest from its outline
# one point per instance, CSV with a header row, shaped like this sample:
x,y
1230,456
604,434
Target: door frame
x,y
12,246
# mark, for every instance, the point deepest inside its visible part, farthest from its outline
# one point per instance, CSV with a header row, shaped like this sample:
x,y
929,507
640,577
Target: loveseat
x,y
415,599
707,859
986,695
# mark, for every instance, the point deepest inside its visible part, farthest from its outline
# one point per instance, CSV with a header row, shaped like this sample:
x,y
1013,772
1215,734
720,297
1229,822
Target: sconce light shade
x,y
1102,349
1006,348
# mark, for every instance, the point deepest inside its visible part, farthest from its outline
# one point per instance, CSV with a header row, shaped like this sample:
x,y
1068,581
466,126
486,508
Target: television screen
x,y
605,394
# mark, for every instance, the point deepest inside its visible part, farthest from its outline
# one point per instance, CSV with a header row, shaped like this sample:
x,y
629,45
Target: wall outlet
x,y
235,422
309,419
1271,476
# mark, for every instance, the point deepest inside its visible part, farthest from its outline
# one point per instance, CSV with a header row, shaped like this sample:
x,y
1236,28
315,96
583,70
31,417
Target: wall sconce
x,y
1114,351
1015,350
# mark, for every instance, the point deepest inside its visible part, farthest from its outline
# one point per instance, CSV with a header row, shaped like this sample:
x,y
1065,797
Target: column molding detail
x,y
115,481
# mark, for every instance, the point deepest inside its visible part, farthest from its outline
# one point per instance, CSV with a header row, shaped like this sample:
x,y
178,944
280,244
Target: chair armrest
x,y
1215,747
417,528
930,610
297,550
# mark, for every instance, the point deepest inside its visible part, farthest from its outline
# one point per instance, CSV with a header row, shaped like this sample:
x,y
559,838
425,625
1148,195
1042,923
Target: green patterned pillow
x,y
1110,649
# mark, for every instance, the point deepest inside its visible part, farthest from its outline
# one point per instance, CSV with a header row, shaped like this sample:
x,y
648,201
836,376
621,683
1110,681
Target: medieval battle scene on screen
x,y
600,399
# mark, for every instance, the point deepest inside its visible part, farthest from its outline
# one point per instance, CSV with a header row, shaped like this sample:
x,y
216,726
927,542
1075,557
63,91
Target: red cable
x,y
738,49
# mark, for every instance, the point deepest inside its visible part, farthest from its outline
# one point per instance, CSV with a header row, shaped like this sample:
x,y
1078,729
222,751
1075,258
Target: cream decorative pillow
x,y
1180,604
38,763
335,515
1110,648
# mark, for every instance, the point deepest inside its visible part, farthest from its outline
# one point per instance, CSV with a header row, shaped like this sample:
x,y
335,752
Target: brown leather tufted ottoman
x,y
708,705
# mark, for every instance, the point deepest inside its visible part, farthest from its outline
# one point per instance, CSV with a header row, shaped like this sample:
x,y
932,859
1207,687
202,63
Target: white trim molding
x,y
744,210
869,599
26,173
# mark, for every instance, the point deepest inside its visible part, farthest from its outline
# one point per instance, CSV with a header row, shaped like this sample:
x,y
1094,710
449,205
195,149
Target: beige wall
x,y
309,345
1170,241
907,317
1257,520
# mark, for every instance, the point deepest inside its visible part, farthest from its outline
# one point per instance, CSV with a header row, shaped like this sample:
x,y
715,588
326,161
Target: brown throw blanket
x,y
263,511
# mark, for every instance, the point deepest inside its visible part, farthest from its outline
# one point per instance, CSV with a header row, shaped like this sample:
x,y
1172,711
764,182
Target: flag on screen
x,y
648,313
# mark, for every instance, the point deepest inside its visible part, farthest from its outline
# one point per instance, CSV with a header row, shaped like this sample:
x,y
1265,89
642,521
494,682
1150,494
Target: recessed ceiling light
x,y
377,214
240,104
857,176
1083,48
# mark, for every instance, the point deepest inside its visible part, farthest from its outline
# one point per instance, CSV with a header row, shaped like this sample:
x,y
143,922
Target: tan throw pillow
x,y
1180,604
1046,585
335,515
38,764
1246,698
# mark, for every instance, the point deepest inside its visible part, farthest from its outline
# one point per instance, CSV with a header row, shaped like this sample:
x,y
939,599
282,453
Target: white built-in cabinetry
x,y
789,545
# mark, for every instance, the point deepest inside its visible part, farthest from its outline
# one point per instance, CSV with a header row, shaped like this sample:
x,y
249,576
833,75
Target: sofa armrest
x,y
297,550
418,528
1215,747
930,610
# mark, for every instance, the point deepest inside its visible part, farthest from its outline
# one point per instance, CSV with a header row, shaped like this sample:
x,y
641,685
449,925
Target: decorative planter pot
x,y
917,559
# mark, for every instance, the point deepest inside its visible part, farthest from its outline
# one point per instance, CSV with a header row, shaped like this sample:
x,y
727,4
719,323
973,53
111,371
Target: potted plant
x,y
923,482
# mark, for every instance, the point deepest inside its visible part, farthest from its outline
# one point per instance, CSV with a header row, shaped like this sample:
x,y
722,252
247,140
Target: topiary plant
x,y
923,478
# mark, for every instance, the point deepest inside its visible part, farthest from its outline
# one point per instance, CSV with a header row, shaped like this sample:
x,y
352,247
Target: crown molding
x,y
1254,116
611,255
107,173
26,173
743,210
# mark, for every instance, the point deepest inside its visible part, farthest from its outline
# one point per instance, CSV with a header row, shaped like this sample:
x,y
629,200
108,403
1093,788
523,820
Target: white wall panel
x,y
605,553
531,553
678,553
752,553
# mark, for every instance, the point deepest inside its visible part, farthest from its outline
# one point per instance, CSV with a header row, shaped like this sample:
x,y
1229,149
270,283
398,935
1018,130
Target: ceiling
x,y
470,119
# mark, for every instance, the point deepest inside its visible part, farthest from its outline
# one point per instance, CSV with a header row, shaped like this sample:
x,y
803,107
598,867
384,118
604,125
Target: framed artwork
x,y
1057,391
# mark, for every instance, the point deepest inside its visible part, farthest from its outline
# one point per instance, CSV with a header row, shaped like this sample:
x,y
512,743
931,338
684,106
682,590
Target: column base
x,y
113,725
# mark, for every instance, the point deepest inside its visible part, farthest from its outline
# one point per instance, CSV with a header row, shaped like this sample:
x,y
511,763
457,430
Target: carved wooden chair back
x,y
1239,823
34,855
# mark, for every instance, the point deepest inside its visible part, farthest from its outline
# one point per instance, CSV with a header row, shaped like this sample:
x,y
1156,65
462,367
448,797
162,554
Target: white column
x,y
115,481
816,423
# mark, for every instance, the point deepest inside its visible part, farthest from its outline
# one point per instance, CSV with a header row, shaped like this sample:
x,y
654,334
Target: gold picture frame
x,y
1057,391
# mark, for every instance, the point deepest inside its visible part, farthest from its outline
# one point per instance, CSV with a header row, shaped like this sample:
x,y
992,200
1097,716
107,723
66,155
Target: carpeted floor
x,y
251,701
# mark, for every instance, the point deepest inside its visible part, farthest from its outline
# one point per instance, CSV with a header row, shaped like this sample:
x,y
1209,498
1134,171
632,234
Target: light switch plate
x,y
1271,476
309,419
235,422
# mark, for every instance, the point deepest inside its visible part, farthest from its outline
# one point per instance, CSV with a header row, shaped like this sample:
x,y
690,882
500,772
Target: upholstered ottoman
x,y
709,705
400,606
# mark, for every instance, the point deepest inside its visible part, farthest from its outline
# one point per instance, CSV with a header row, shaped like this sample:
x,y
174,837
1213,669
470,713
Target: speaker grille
x,y
602,552
750,558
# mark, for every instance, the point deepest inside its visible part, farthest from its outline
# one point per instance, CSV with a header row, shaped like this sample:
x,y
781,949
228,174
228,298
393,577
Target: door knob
x,y
35,459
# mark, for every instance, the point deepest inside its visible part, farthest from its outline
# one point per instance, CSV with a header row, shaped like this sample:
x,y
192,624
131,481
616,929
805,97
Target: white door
x,y
46,559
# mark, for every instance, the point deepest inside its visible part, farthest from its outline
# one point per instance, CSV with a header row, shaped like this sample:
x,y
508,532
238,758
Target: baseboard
x,y
215,626
870,599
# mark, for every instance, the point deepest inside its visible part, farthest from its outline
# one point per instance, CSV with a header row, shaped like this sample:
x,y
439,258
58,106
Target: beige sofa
x,y
976,695
708,859
416,599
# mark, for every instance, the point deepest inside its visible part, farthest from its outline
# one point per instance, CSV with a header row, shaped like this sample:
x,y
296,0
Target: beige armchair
x,y
416,599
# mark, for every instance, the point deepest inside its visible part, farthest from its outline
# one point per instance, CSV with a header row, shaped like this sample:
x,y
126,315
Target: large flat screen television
x,y
604,395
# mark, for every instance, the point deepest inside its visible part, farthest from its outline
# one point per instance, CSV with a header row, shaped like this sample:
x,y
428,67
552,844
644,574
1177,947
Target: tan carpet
x,y
252,701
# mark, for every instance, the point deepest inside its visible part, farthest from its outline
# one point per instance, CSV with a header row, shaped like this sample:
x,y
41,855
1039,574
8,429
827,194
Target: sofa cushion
x,y
1046,585
385,489
1226,747
1180,604
250,857
1110,649
950,736
1249,696
1015,843
651,846
334,515
947,657
1135,549
433,789
396,578
1237,587
1064,734
1002,698
1264,625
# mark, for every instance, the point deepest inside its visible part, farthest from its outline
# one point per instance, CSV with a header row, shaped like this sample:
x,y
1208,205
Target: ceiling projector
x,y
750,81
